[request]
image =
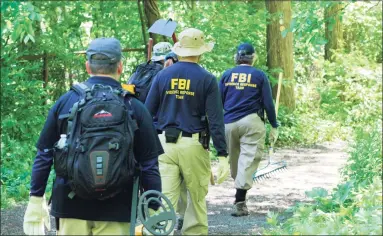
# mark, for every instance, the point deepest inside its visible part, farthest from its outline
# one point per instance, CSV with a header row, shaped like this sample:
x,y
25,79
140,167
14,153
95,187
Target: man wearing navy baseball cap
x,y
74,214
246,93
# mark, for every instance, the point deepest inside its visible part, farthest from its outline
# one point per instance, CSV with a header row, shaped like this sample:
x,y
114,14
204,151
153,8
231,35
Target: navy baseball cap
x,y
109,47
245,49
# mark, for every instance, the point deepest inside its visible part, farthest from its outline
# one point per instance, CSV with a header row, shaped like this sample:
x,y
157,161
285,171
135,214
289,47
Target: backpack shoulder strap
x,y
131,112
83,89
80,88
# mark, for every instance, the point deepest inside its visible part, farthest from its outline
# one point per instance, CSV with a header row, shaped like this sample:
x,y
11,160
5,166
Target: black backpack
x,y
142,78
97,158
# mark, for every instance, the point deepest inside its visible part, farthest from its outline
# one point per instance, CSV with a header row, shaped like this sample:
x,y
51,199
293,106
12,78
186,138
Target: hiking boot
x,y
180,223
240,209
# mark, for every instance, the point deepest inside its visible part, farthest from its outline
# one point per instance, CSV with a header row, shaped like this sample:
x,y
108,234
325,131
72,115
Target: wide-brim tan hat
x,y
192,43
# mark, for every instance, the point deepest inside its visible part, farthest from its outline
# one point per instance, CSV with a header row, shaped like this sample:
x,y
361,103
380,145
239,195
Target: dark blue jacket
x,y
181,94
245,90
147,148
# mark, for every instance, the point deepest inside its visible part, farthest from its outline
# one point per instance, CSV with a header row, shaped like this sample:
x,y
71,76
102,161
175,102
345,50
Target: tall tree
x,y
334,29
280,49
152,14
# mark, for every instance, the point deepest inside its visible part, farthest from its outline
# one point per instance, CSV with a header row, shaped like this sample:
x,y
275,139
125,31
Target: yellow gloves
x,y
36,216
273,136
223,169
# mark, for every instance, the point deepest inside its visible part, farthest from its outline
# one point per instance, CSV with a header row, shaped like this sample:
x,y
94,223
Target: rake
x,y
272,167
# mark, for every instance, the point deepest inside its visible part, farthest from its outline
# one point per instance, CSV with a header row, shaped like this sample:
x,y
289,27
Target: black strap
x,y
63,116
183,133
83,89
80,88
186,134
131,112
57,220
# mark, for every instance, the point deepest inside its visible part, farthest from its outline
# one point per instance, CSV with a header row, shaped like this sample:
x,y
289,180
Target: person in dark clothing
x,y
79,216
141,80
181,96
246,93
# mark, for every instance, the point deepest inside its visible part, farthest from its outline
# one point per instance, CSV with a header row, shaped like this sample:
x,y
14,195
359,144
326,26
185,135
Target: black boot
x,y
240,203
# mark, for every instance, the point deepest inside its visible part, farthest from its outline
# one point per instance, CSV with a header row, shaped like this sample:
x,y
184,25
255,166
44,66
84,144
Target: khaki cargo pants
x,y
187,161
69,226
246,140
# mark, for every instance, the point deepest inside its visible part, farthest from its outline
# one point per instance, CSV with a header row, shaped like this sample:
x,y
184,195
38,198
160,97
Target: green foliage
x,y
353,91
24,17
365,160
331,102
346,211
353,207
363,29
22,114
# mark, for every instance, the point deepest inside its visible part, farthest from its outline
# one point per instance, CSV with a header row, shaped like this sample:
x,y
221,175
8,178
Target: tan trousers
x,y
246,141
69,226
187,160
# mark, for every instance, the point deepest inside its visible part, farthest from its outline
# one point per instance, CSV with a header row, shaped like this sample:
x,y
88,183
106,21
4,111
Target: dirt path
x,y
317,166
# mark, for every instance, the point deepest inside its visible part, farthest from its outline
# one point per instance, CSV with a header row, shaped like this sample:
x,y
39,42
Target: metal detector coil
x,y
164,221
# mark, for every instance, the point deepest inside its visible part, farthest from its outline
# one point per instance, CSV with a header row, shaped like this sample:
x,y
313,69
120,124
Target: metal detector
x,y
163,222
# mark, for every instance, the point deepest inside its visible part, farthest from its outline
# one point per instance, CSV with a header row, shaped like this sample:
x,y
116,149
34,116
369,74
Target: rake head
x,y
269,171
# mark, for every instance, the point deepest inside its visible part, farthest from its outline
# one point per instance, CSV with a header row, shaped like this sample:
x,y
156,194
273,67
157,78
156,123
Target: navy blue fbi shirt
x,y
181,94
245,90
147,148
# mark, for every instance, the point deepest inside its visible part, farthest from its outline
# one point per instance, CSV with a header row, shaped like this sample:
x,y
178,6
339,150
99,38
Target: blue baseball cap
x,y
109,47
245,49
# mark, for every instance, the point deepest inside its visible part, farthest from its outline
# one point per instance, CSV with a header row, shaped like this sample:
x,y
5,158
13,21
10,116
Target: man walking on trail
x,y
76,215
182,95
246,93
170,59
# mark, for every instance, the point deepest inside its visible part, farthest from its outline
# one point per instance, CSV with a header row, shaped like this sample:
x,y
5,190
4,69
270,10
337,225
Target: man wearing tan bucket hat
x,y
184,96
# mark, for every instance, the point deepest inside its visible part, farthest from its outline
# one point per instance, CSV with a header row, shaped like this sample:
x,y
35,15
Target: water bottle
x,y
61,143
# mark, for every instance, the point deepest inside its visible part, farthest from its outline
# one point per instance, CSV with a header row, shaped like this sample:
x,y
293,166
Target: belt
x,y
183,133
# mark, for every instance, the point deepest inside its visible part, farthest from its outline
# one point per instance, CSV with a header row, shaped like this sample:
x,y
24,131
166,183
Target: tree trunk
x,y
280,50
152,14
334,30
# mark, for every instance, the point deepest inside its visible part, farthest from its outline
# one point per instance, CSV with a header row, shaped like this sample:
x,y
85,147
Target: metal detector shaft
x,y
133,214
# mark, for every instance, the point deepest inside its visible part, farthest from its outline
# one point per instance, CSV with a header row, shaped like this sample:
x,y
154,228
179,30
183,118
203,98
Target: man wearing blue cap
x,y
74,214
246,93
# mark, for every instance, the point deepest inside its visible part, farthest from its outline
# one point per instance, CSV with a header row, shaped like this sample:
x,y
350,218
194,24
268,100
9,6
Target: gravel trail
x,y
316,166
